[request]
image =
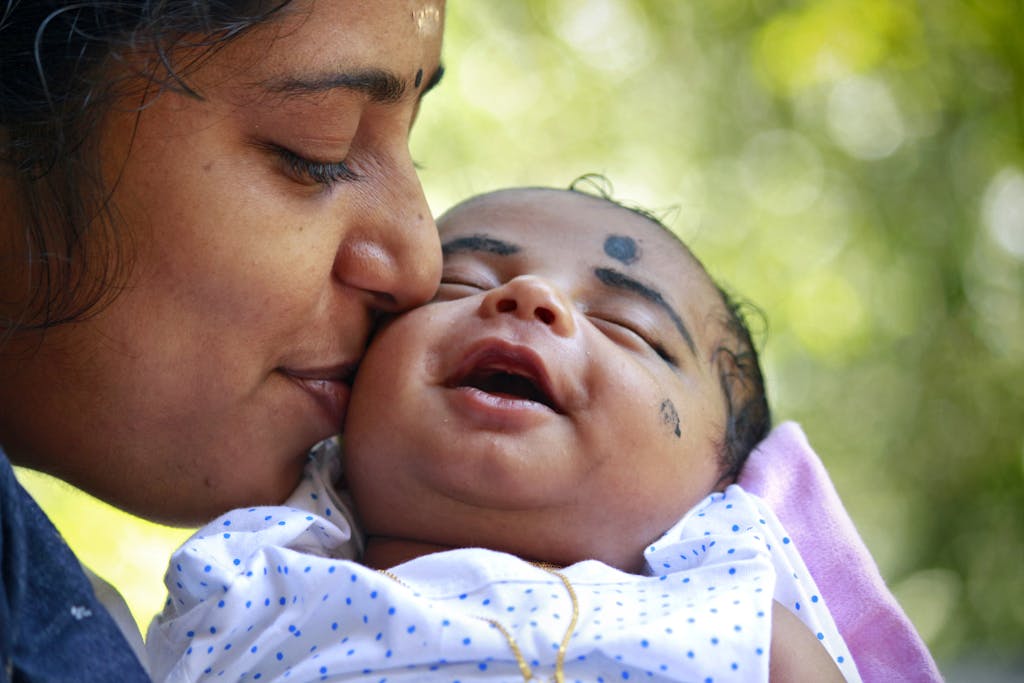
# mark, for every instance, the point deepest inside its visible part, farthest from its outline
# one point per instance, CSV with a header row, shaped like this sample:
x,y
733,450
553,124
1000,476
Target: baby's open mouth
x,y
508,374
507,384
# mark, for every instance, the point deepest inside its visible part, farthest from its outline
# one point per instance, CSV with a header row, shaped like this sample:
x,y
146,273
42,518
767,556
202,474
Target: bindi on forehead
x,y
621,248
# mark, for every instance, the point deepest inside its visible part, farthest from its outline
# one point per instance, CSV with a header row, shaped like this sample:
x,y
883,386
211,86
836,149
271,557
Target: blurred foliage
x,y
853,167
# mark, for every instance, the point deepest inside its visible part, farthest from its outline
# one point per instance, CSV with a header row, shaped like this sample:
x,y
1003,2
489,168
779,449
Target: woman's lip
x,y
342,372
330,388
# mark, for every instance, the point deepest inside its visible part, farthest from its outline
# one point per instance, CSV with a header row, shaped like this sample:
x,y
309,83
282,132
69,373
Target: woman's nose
x,y
392,250
531,298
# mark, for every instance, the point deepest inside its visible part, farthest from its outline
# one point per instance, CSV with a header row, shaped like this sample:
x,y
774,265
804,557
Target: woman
x,y
203,206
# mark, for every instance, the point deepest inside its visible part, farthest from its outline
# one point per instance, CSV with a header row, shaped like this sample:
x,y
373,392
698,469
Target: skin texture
x,y
602,474
256,277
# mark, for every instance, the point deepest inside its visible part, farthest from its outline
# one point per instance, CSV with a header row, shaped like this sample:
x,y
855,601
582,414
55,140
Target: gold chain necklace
x,y
524,667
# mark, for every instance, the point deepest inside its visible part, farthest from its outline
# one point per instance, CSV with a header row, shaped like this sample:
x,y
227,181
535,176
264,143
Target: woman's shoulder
x,y
52,627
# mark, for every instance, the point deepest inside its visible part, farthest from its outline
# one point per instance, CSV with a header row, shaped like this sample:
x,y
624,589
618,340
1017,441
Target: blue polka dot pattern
x,y
280,599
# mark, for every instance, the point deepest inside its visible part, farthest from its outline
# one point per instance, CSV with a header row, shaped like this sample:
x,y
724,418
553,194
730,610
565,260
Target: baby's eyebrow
x,y
619,280
478,243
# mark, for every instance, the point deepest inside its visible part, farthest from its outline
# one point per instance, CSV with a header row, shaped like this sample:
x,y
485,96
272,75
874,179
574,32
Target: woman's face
x,y
267,224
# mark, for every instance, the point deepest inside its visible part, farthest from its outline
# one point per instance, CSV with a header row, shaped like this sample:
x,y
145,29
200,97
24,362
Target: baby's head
x,y
578,384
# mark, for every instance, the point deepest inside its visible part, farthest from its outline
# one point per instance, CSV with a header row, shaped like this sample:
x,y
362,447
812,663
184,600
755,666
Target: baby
x,y
541,463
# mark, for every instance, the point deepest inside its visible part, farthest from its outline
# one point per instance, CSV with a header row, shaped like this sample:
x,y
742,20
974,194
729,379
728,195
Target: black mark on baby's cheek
x,y
670,417
419,78
622,249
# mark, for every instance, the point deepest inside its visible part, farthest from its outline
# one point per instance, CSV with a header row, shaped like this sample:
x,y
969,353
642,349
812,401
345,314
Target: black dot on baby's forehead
x,y
621,248
419,77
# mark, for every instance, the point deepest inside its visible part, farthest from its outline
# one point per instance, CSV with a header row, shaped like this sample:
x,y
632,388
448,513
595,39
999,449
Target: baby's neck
x,y
383,553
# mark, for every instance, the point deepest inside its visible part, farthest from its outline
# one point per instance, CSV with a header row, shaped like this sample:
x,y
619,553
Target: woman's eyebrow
x,y
380,85
619,280
478,243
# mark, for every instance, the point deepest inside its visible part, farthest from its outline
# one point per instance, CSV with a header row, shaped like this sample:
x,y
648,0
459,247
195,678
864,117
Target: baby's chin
x,y
556,530
623,559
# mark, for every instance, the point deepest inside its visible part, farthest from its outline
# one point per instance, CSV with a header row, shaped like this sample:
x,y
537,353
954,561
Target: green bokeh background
x,y
853,167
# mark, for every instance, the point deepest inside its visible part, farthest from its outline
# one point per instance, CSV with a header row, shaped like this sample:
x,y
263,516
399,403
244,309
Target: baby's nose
x,y
530,297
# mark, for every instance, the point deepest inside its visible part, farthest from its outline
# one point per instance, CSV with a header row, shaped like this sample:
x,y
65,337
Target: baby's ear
x,y
746,409
733,366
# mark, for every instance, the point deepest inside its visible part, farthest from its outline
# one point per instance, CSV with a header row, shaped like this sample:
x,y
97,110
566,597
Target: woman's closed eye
x,y
620,330
310,172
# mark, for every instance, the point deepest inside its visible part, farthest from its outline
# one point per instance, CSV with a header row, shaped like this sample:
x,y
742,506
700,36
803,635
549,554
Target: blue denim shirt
x,y
52,627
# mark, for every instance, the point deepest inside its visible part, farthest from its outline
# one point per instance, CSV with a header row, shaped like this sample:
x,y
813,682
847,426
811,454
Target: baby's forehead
x,y
551,216
545,230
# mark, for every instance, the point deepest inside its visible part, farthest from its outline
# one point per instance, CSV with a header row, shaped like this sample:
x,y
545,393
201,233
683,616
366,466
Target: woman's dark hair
x,y
748,417
62,65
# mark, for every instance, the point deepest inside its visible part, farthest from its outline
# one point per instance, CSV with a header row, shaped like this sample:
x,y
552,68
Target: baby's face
x,y
557,400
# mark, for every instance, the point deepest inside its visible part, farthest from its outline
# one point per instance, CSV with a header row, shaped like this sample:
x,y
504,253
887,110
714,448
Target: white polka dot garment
x,y
271,594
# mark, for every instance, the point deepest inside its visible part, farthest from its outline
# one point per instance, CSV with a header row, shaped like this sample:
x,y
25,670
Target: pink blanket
x,y
786,472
